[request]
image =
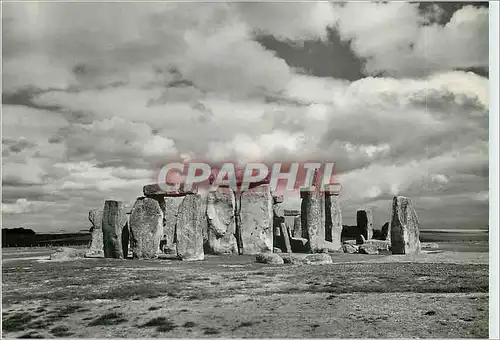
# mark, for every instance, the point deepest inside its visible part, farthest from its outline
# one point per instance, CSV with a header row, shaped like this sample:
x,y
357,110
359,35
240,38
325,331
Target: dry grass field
x,y
442,294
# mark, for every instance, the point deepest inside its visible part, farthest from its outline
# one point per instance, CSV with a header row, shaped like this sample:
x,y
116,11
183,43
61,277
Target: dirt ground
x,y
441,294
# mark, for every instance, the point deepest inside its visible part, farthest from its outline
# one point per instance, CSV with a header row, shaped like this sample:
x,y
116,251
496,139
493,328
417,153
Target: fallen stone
x,y
350,248
370,249
333,226
174,190
256,214
382,245
221,222
276,250
313,219
349,242
364,221
319,259
429,245
269,258
113,221
299,245
188,231
96,248
405,233
290,259
66,254
146,228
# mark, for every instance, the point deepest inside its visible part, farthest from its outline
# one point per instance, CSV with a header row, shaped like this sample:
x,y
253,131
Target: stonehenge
x,y
189,225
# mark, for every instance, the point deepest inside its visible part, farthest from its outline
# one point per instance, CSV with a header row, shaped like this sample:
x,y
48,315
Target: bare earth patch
x,y
434,295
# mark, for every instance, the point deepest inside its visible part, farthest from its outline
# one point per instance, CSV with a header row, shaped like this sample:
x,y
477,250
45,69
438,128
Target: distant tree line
x,y
24,237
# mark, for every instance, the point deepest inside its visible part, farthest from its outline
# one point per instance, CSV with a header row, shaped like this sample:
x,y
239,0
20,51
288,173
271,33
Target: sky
x,y
98,96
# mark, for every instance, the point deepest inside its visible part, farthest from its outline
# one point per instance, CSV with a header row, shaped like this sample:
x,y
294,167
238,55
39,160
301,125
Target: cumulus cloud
x,y
397,39
22,206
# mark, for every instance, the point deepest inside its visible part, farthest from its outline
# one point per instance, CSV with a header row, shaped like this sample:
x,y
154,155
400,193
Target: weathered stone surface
x,y
350,248
171,209
157,189
291,212
269,258
299,245
113,221
364,219
278,199
313,221
293,259
66,254
276,250
385,233
285,236
256,220
96,244
278,219
405,233
332,189
367,248
297,227
146,228
333,226
191,219
225,244
319,259
382,245
221,221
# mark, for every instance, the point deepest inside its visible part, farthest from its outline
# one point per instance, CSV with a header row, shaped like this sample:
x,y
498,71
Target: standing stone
x,y
125,240
333,227
163,208
113,221
364,219
297,227
221,221
405,233
256,213
146,228
189,228
312,209
171,209
96,244
286,238
386,231
278,220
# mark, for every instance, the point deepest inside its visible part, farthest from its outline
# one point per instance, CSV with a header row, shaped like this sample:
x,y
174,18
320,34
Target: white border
x,y
493,174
